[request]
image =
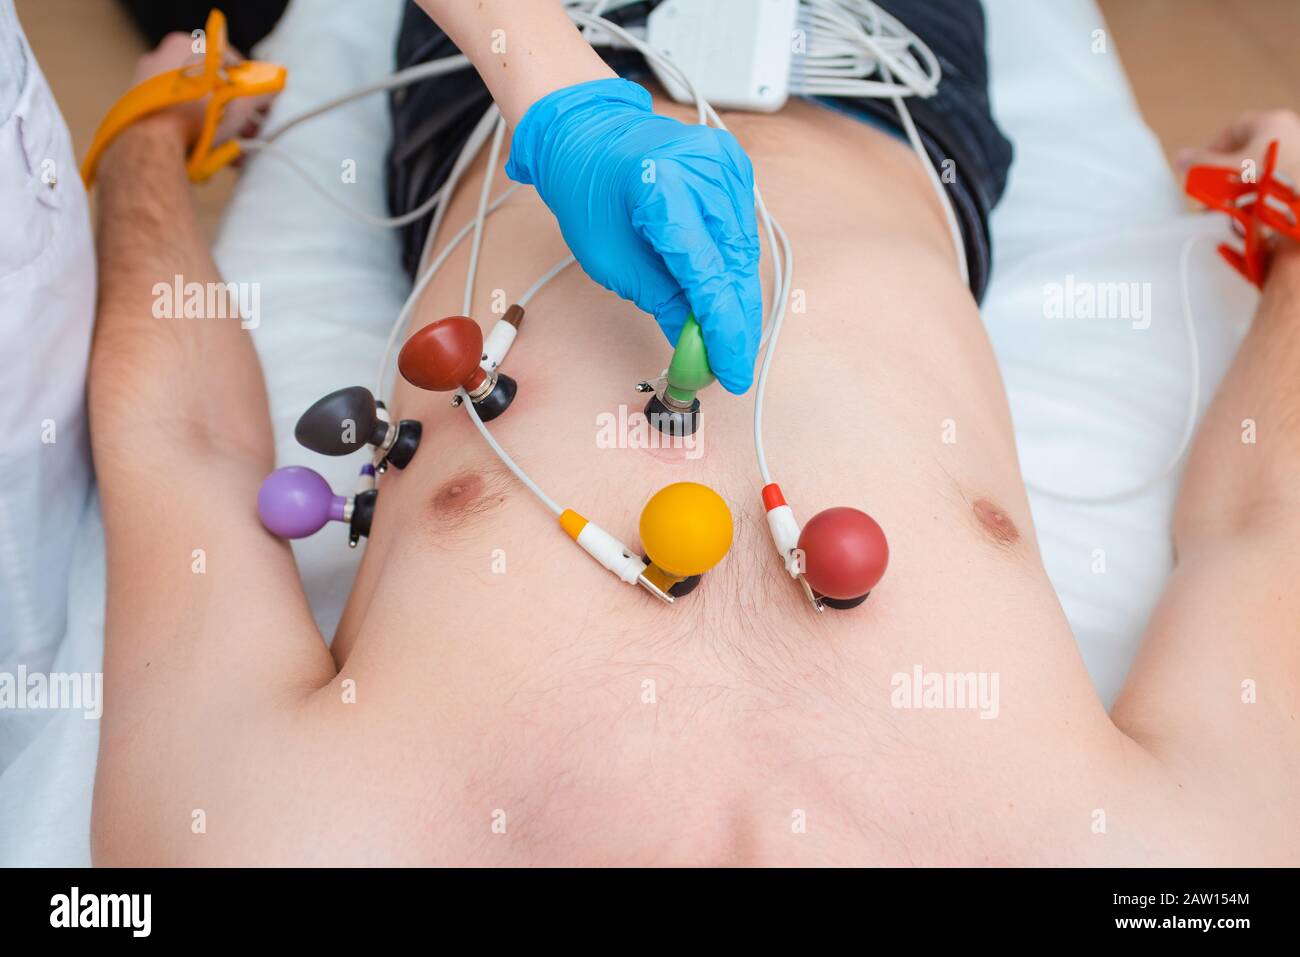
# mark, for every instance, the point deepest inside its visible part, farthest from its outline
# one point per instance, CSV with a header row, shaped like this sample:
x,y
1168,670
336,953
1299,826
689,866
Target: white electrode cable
x,y
361,215
267,142
543,279
480,215
504,456
760,388
405,77
598,8
848,41
478,136
851,39
945,201
398,78
422,283
473,145
868,31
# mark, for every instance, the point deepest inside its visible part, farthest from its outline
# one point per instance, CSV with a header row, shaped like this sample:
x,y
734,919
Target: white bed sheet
x,y
1098,404
1095,402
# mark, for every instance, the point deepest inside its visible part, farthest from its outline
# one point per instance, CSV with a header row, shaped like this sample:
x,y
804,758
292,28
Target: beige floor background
x,y
1194,64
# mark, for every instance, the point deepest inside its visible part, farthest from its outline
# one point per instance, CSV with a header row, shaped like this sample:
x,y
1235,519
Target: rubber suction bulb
x,y
444,355
686,529
341,422
845,554
295,502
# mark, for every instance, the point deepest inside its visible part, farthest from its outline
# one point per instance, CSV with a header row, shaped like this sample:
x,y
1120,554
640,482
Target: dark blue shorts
x,y
432,119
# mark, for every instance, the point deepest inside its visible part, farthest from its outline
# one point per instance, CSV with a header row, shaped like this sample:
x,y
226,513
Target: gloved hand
x,y
660,212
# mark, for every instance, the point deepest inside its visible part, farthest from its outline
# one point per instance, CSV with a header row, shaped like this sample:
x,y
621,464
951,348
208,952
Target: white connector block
x,y
498,342
785,535
736,52
610,552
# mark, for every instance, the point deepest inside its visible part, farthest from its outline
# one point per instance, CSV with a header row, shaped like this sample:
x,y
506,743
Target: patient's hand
x,y
1246,139
242,116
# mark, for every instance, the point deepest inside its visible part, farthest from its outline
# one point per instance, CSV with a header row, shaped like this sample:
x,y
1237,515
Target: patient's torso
x,y
513,702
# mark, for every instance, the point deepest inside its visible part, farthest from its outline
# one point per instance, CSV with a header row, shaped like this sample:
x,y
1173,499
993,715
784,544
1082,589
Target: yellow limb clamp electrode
x,y
219,76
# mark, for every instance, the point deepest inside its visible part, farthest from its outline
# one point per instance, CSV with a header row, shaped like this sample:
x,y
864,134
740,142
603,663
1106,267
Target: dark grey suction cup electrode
x,y
348,419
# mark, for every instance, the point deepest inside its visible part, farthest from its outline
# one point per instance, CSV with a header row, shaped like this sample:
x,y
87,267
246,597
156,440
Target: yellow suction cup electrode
x,y
686,529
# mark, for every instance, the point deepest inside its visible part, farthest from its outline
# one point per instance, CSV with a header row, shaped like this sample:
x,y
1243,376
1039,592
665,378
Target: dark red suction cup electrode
x,y
445,355
845,554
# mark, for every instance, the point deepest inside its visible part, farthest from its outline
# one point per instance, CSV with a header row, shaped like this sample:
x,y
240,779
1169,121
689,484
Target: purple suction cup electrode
x,y
295,502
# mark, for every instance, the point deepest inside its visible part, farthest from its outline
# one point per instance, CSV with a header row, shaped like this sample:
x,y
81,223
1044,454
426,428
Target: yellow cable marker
x,y
572,523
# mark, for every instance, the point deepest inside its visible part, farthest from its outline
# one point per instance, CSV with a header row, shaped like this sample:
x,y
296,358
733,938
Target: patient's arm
x,y
207,628
538,39
1216,688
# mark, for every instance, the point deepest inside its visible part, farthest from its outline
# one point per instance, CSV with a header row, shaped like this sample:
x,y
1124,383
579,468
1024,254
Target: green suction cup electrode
x,y
689,370
677,411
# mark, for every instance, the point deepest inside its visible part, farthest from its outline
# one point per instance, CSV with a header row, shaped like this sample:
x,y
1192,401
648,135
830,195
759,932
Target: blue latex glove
x,y
660,212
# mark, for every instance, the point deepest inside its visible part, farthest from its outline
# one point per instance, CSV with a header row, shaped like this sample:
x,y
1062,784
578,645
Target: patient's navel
x,y
996,522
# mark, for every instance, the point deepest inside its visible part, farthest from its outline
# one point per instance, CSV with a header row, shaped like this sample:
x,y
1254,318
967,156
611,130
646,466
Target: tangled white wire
x,y
849,41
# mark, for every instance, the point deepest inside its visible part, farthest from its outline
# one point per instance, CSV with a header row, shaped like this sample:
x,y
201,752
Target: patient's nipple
x,y
458,493
996,522
466,498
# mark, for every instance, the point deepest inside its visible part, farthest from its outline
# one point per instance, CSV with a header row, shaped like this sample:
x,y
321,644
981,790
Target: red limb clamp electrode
x,y
1255,208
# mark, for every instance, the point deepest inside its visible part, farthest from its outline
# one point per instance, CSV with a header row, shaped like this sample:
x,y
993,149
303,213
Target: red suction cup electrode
x,y
844,554
445,356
